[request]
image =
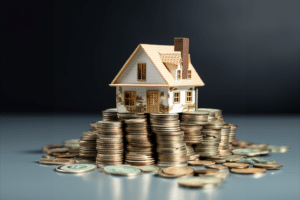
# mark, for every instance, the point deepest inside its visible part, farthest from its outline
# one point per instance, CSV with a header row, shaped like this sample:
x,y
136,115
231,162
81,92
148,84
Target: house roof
x,y
157,54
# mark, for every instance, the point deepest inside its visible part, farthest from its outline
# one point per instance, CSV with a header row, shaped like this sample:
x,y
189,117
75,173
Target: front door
x,y
152,101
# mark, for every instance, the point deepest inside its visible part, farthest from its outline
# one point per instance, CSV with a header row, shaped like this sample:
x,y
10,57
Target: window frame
x,y
178,72
174,96
131,98
141,68
187,96
189,74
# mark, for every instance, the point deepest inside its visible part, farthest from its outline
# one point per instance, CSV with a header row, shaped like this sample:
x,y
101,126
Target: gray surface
x,y
22,138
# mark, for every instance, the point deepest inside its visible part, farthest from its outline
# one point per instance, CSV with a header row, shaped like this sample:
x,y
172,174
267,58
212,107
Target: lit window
x,y
141,73
129,98
189,97
189,74
179,74
176,97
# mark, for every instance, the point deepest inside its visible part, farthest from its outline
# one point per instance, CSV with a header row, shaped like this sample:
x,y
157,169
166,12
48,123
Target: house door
x,y
152,101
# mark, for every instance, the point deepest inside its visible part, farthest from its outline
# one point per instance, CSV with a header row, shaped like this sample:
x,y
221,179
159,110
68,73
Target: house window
x,y
189,74
189,97
129,99
179,74
176,97
141,73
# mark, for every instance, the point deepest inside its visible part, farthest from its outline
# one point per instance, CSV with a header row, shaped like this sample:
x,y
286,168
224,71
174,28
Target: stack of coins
x,y
217,112
122,116
191,155
171,148
110,144
232,132
139,144
224,144
110,114
211,116
88,146
195,117
211,138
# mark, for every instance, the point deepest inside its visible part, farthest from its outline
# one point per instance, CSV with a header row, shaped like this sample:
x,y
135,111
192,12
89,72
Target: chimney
x,y
182,44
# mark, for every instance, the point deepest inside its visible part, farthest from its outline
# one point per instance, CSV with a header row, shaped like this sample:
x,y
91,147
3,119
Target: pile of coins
x,y
171,148
139,145
122,116
110,146
87,144
190,153
110,114
214,114
211,138
224,144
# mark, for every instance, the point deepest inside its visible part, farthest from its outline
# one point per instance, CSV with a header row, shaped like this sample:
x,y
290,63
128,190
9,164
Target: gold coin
x,y
206,171
200,162
199,182
219,167
249,170
164,175
57,161
236,165
178,170
268,166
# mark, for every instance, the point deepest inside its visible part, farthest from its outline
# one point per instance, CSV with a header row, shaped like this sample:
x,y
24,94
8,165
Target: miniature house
x,y
158,79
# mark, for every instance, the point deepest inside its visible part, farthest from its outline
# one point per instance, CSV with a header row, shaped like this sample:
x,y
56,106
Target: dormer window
x,y
178,74
141,72
189,74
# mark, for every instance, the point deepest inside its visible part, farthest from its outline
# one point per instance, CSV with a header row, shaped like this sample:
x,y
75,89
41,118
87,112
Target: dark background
x,y
61,56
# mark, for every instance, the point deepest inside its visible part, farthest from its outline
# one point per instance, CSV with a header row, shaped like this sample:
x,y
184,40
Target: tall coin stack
x,y
211,138
224,144
232,134
211,116
171,148
87,144
110,144
191,124
110,114
139,148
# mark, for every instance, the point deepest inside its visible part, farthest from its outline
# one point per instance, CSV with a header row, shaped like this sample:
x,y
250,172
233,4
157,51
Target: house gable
x,y
128,75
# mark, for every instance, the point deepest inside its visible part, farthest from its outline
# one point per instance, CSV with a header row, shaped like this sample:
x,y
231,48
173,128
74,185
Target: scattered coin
x,y
249,170
57,150
278,149
76,168
56,161
236,165
219,167
148,169
268,166
200,162
206,172
164,175
51,146
232,158
65,155
121,170
178,170
199,182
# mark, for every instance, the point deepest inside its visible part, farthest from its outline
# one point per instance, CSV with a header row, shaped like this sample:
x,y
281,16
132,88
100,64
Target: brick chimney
x,y
182,44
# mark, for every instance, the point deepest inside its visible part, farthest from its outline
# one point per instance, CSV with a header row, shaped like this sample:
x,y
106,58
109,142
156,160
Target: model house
x,y
158,79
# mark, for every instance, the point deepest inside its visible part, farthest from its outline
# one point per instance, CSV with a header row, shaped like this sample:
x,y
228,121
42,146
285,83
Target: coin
x,y
199,182
206,172
246,152
110,114
249,170
65,155
231,158
51,146
236,165
72,141
57,150
178,170
200,162
219,167
76,168
56,161
148,169
278,148
268,166
120,170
